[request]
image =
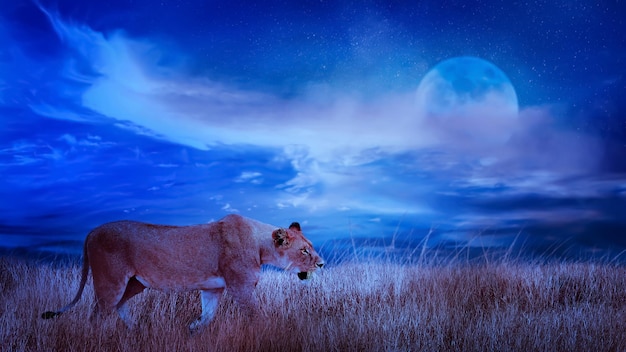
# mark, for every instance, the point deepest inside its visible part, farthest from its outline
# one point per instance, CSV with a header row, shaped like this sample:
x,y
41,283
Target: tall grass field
x,y
359,305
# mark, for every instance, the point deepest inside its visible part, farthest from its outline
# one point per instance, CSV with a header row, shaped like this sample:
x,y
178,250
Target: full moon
x,y
466,87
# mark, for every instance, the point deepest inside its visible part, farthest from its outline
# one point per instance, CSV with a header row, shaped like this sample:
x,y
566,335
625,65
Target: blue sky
x,y
182,112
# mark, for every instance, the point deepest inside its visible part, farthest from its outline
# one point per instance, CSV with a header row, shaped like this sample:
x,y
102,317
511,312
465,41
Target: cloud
x,y
90,141
250,176
47,110
23,153
229,209
126,85
348,151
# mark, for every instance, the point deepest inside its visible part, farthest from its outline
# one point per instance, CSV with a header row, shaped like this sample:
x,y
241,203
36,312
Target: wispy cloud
x,y
253,177
24,153
89,141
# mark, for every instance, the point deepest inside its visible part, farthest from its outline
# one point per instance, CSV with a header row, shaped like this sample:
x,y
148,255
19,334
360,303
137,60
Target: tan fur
x,y
127,256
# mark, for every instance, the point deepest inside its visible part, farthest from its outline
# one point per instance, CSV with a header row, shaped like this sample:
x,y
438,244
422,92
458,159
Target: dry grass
x,y
364,306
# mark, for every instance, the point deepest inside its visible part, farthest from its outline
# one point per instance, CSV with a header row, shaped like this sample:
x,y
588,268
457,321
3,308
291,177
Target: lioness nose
x,y
320,265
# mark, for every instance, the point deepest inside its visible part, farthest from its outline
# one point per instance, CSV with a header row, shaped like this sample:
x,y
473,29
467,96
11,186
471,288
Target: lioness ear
x,y
281,238
295,226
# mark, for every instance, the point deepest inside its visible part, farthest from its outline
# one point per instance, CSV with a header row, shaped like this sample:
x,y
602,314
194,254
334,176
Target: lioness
x,y
127,256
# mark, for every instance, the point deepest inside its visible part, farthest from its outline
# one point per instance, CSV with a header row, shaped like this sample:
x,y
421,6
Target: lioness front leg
x,y
246,298
210,300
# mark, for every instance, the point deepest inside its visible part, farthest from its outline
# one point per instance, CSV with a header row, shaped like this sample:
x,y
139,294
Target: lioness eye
x,y
305,251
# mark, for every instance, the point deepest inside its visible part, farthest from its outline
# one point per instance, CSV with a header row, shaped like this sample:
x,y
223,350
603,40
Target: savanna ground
x,y
357,305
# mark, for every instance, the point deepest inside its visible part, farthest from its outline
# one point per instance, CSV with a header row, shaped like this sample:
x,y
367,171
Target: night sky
x,y
483,123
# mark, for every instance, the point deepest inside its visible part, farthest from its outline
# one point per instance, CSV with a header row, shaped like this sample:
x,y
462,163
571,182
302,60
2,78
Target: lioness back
x,y
173,257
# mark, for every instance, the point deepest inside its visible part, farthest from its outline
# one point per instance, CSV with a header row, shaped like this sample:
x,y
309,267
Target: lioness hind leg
x,y
210,300
133,287
108,290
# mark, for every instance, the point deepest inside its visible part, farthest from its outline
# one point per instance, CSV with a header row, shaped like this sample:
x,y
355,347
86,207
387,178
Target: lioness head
x,y
297,252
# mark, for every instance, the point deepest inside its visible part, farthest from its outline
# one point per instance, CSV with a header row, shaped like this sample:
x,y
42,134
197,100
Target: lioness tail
x,y
83,281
